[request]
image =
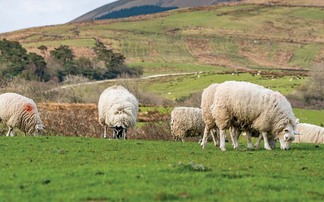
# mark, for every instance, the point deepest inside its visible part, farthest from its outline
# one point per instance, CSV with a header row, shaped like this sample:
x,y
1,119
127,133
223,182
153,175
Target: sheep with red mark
x,y
21,112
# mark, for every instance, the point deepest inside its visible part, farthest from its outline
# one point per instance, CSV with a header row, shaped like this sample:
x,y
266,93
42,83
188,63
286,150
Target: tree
x,y
38,67
14,56
64,54
43,49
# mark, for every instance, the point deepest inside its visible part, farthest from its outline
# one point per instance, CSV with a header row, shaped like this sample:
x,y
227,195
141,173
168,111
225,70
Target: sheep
x,y
207,99
309,133
255,107
117,109
21,112
186,122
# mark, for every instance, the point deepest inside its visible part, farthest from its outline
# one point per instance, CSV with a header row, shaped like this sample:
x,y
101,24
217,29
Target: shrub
x,y
311,95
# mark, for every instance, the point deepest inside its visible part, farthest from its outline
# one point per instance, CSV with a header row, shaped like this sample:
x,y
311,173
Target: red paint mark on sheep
x,y
28,107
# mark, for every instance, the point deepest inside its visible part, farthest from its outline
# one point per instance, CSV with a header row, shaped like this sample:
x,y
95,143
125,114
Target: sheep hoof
x,y
235,146
223,148
250,146
268,148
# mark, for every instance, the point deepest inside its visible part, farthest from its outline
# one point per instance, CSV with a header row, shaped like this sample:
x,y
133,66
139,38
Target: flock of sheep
x,y
243,107
237,107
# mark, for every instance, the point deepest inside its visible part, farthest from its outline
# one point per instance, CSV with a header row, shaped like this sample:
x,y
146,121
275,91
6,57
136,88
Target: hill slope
x,y
125,4
237,36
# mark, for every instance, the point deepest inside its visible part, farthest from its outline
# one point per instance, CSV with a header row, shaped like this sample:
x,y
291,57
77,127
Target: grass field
x,y
91,169
182,86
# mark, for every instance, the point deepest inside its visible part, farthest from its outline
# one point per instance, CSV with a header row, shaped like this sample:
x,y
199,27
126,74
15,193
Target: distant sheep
x,y
309,133
118,109
255,107
186,122
21,112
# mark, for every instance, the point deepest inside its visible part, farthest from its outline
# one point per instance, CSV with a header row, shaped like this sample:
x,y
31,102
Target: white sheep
x,y
309,133
186,122
118,109
254,107
21,112
207,99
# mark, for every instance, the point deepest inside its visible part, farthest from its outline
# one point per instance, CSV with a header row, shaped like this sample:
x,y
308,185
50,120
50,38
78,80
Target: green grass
x,y
182,86
310,116
89,169
153,68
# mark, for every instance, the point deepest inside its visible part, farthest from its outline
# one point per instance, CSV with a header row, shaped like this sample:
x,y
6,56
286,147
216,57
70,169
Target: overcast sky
x,y
20,14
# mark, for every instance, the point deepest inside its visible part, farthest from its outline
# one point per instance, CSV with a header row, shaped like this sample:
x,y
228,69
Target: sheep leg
x,y
266,142
215,140
105,132
222,136
204,139
257,144
234,137
10,132
249,140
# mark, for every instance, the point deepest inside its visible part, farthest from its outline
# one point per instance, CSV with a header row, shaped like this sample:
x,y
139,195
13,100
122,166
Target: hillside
x,y
126,4
236,36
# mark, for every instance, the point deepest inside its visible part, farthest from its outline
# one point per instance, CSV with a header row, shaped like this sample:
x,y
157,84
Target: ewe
x,y
254,107
21,112
186,122
207,100
118,109
309,133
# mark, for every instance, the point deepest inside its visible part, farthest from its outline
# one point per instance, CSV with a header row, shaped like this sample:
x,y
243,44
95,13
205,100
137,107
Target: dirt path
x,y
114,80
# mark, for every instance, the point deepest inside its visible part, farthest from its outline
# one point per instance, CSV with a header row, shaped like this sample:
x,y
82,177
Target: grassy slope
x,y
240,36
89,169
182,86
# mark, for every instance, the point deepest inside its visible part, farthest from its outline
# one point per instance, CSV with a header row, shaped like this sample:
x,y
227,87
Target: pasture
x,y
92,169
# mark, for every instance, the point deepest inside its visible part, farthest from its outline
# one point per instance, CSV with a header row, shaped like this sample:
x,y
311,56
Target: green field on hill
x,y
233,36
91,169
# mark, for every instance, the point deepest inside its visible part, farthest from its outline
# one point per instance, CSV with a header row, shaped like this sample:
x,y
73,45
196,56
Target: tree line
x,y
134,11
15,61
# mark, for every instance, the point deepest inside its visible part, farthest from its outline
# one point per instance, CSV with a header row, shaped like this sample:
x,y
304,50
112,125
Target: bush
x,y
310,95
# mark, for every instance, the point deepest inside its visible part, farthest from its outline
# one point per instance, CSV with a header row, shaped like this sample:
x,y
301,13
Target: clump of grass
x,y
191,166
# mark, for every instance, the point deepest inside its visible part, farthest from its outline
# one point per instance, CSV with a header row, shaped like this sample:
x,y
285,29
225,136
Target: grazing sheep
x,y
207,99
256,107
118,109
309,133
186,122
21,112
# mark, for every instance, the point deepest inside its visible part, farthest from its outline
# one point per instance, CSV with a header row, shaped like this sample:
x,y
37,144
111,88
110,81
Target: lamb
x,y
309,133
186,122
118,109
21,112
254,107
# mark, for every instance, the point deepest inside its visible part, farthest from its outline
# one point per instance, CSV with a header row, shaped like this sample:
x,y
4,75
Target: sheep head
x,y
287,136
119,132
